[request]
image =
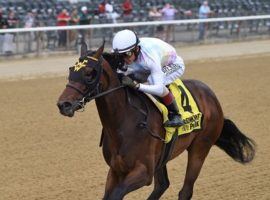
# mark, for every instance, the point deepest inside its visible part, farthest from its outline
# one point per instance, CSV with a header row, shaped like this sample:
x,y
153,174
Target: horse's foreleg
x,y
111,182
197,153
135,179
161,183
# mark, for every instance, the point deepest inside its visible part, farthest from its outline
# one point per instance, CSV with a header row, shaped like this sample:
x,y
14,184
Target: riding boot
x,y
174,116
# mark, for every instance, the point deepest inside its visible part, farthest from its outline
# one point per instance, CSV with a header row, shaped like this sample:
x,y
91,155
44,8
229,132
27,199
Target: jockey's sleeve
x,y
156,81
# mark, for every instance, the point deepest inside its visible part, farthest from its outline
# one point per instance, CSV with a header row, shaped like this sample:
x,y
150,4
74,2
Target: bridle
x,y
93,85
94,90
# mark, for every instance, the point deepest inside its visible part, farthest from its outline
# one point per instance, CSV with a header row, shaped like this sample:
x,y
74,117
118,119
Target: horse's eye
x,y
93,73
87,73
89,76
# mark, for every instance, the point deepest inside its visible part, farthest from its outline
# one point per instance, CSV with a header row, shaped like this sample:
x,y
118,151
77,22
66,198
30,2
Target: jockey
x,y
155,58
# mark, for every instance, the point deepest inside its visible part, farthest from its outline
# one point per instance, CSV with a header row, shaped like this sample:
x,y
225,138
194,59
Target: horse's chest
x,y
119,164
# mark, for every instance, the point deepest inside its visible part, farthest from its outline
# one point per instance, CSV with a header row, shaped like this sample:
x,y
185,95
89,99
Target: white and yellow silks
x,y
188,109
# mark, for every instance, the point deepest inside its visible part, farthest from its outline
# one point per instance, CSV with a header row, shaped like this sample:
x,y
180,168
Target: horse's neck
x,y
110,108
111,105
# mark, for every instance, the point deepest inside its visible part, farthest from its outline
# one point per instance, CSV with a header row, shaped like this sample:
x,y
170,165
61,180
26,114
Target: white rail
x,y
131,24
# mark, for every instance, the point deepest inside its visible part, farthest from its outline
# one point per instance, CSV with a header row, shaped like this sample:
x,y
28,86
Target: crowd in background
x,y
74,15
23,14
19,13
104,12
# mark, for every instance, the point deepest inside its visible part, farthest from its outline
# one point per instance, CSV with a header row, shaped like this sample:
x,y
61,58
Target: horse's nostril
x,y
64,105
65,108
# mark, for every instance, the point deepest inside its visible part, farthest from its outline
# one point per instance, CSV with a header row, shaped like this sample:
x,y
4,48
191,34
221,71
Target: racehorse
x,y
130,120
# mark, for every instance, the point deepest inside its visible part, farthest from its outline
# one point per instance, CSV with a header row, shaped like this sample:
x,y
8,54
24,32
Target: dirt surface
x,y
45,156
28,68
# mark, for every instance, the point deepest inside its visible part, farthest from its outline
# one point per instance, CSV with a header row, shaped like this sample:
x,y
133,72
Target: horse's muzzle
x,y
66,108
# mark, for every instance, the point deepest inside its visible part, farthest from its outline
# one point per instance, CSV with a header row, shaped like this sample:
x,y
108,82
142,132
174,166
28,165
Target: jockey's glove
x,y
127,81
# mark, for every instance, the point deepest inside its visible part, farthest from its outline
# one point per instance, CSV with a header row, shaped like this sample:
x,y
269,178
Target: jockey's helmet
x,y
124,41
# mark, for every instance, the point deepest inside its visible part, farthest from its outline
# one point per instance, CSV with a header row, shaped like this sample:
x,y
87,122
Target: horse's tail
x,y
235,143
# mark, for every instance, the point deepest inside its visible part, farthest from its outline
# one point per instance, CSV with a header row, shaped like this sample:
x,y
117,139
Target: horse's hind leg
x,y
197,153
161,183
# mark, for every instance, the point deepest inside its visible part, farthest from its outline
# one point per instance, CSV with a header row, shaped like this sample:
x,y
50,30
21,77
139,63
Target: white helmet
x,y
124,41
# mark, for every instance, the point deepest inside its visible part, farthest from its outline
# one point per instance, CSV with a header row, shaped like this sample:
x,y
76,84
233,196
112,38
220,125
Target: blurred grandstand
x,y
46,15
221,8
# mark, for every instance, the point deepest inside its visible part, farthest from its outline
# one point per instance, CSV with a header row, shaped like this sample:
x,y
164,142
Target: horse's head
x,y
84,78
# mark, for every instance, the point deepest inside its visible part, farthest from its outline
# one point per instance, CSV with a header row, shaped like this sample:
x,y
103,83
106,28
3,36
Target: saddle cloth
x,y
188,109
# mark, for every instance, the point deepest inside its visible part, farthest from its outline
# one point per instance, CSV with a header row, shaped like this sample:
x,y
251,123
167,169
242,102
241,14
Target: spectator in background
x,y
204,12
186,13
74,20
3,25
51,35
51,18
29,22
155,15
101,12
12,20
110,13
62,20
168,13
127,8
85,19
38,19
74,17
111,17
2,19
101,7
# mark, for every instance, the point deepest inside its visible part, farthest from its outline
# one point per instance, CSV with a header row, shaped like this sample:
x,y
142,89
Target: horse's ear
x,y
100,50
83,49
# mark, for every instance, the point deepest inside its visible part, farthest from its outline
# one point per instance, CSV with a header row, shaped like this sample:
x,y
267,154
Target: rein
x,y
87,96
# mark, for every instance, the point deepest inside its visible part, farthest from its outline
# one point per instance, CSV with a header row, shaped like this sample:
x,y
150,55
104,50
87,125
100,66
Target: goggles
x,y
127,54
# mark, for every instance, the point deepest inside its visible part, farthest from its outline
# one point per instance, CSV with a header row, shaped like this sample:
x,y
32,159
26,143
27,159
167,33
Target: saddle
x,y
188,109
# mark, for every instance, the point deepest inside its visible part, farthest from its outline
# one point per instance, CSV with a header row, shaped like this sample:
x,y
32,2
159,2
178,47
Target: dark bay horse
x,y
129,147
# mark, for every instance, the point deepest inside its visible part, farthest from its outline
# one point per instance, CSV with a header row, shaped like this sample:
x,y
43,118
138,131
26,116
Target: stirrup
x,y
176,121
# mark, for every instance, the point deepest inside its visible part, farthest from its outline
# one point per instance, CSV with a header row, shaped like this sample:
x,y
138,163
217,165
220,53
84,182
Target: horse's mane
x,y
115,61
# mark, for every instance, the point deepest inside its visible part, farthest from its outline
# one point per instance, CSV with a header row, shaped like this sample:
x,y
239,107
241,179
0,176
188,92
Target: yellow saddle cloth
x,y
188,109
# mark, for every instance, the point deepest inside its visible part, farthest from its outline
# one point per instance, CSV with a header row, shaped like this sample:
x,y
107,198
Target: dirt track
x,y
45,156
